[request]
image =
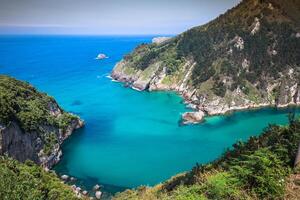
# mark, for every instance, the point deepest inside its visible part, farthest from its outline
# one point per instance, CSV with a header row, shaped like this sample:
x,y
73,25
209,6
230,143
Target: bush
x,y
262,172
29,181
222,185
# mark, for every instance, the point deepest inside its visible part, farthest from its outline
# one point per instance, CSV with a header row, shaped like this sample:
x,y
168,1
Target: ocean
x,y
131,138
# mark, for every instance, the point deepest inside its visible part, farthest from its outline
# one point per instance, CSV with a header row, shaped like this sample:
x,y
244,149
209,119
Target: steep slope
x,y
247,57
28,181
261,168
32,125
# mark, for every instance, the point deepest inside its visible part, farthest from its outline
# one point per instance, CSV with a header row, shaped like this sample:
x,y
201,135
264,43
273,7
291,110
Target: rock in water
x,y
98,194
96,187
101,56
65,177
192,117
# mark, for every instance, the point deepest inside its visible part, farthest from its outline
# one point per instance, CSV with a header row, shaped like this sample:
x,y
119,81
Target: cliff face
x,y
32,125
247,57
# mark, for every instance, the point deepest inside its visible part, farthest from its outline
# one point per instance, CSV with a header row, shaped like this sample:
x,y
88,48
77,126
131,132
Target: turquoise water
x,y
130,138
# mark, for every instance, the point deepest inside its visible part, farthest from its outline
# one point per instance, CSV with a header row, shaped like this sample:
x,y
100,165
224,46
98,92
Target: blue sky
x,y
104,17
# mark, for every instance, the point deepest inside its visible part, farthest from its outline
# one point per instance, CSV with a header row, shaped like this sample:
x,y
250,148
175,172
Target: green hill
x,y
247,57
29,181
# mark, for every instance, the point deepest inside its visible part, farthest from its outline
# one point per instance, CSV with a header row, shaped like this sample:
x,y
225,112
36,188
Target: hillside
x,y
261,168
29,181
247,57
32,125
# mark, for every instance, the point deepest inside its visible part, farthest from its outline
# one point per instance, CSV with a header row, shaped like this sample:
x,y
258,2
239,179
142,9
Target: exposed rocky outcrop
x,y
192,117
159,40
288,92
22,146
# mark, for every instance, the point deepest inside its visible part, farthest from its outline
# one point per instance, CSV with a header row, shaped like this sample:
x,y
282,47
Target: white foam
x,y
108,76
137,89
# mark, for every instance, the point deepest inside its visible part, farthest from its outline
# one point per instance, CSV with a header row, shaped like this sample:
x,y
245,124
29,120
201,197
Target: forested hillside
x,y
29,181
247,57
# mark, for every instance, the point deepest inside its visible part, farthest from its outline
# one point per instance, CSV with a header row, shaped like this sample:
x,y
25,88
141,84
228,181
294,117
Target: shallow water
x,y
130,138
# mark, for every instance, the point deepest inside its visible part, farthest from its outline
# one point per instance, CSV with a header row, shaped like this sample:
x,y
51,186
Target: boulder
x,y
72,179
193,117
98,194
85,192
78,189
64,177
96,187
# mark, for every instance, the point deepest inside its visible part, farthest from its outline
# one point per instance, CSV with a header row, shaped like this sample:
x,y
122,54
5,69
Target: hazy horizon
x,y
115,17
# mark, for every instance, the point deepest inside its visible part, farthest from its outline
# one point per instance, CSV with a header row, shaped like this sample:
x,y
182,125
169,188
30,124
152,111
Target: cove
x,y
131,138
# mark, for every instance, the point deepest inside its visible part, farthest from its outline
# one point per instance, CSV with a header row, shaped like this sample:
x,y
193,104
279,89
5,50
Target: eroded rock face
x,y
19,145
22,146
120,73
289,91
287,86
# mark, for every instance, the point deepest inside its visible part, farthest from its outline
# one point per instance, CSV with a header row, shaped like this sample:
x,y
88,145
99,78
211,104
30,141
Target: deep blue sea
x,y
130,138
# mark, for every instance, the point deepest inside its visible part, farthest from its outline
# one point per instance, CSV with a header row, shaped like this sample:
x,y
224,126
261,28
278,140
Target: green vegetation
x,y
29,181
270,52
32,111
22,103
256,169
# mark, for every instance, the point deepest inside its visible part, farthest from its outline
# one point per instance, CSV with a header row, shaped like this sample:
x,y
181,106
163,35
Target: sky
x,y
107,17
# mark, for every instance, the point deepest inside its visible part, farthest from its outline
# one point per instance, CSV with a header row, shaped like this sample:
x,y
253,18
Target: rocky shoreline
x,y
201,105
49,161
23,146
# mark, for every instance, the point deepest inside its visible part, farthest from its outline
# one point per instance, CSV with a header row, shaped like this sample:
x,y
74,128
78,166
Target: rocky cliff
x,y
248,57
32,125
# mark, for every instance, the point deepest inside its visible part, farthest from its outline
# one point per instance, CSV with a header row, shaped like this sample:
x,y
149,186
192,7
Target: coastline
x,y
198,114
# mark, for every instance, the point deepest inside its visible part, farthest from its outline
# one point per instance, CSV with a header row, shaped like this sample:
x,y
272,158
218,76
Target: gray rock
x,y
98,194
64,177
192,117
78,189
28,146
96,187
